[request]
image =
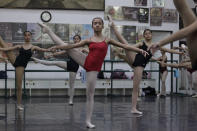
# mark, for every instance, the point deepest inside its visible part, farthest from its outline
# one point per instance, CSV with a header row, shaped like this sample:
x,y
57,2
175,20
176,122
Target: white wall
x,y
79,17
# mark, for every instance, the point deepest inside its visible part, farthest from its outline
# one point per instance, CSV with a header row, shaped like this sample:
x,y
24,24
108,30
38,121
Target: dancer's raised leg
x,y
61,64
9,54
76,55
129,54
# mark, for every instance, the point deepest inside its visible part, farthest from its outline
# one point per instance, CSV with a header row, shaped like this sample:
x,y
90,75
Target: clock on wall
x,y
46,16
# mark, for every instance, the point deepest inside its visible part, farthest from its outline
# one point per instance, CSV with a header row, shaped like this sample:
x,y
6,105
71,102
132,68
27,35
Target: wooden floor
x,y
173,113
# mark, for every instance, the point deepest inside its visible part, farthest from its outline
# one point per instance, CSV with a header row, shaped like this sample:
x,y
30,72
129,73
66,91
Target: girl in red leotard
x,y
98,45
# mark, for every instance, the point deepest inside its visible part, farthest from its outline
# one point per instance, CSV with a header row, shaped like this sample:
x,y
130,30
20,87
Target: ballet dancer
x,y
20,62
92,63
70,66
137,61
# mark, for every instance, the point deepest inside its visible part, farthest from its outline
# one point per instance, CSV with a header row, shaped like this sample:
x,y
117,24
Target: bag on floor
x,y
3,74
149,91
118,74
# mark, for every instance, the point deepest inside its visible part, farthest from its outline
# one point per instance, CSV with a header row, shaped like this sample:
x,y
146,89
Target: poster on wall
x,y
6,31
130,13
155,16
170,15
45,37
17,31
115,12
84,30
129,33
54,4
143,15
62,30
158,3
36,32
140,2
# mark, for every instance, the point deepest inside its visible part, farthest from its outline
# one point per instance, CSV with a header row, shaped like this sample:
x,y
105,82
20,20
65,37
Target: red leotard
x,y
96,55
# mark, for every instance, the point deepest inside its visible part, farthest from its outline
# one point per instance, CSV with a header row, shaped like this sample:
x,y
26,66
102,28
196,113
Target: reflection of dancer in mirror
x,y
70,66
20,62
189,31
137,61
163,72
187,65
98,45
191,74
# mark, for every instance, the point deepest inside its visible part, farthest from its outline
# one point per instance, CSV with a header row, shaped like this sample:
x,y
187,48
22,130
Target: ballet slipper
x,y
34,59
135,111
89,125
70,102
45,28
20,108
111,23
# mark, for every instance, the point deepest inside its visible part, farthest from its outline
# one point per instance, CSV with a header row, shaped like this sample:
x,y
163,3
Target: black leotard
x,y
72,66
162,69
23,58
140,60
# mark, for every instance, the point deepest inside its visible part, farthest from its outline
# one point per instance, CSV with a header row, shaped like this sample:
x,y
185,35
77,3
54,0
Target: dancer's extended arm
x,y
171,51
40,49
179,34
11,48
70,46
128,47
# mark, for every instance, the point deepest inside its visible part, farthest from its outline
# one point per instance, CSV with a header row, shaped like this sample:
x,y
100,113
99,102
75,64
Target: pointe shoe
x,y
20,108
45,28
111,23
89,125
34,59
194,96
70,103
136,112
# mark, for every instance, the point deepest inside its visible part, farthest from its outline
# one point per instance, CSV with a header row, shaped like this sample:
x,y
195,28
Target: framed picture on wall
x,y
143,15
6,31
54,4
115,12
140,2
170,15
17,31
62,30
155,16
130,13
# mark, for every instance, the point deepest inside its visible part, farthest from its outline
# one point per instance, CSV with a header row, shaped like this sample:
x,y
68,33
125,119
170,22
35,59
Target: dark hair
x,y
97,18
146,31
77,36
27,32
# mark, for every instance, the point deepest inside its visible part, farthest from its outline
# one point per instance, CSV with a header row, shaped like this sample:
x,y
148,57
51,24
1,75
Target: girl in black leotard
x,y
137,61
20,62
70,66
163,73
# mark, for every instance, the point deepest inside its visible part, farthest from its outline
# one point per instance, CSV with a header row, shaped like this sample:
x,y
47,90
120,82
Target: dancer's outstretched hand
x,y
111,23
53,49
48,56
143,52
154,47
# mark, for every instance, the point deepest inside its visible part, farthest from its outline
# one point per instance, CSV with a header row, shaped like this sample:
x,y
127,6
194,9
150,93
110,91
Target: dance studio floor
x,y
175,113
